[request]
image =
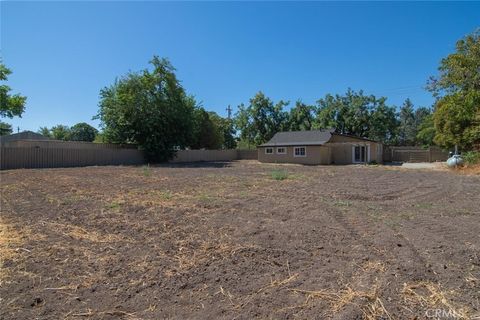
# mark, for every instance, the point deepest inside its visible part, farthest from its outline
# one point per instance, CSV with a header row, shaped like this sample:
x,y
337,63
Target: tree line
x,y
352,113
152,109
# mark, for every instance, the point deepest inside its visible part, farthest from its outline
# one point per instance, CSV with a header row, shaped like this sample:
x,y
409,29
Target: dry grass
x,y
430,295
368,301
193,252
11,239
275,283
79,233
473,169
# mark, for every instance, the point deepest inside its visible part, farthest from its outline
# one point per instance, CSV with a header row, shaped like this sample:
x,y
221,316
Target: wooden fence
x,y
15,158
414,154
213,155
54,154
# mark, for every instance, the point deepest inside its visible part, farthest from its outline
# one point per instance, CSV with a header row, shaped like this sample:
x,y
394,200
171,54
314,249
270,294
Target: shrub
x,y
279,174
146,171
471,157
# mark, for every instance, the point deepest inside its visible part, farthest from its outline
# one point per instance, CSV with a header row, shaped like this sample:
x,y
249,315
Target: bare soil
x,y
228,241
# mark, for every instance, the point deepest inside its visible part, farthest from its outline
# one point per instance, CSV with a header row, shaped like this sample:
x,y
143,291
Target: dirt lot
x,y
229,241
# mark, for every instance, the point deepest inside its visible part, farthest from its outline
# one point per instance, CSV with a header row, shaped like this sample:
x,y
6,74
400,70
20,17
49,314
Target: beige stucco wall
x,y
342,150
314,155
338,151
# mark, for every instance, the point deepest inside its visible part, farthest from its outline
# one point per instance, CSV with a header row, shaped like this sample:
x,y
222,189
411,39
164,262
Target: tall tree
x,y
244,123
206,133
11,105
44,131
301,117
407,128
226,127
261,119
383,124
357,114
83,132
426,131
150,108
456,120
60,132
457,89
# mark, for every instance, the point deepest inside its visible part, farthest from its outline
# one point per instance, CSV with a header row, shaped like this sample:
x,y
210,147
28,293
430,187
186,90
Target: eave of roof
x,y
352,136
289,144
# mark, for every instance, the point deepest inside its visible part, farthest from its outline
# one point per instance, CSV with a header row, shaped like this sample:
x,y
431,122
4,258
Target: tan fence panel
x,y
15,158
54,154
247,154
414,154
204,155
64,144
214,155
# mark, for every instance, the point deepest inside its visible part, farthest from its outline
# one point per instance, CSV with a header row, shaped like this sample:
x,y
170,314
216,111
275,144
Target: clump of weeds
x,y
279,175
146,171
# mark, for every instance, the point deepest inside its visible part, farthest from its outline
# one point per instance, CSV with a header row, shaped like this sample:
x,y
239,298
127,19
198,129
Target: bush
x,y
471,157
146,171
279,174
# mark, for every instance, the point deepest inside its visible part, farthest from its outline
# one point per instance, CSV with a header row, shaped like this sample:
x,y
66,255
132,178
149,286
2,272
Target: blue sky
x,y
63,53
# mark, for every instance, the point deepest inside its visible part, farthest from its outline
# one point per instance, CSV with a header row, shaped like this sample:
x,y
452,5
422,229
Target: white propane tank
x,y
454,161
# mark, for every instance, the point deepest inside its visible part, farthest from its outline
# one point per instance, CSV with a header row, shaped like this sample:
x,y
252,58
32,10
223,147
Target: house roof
x,y
305,138
25,135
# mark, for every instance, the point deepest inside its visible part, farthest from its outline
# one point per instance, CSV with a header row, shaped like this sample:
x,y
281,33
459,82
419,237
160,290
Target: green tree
x,y
383,124
456,120
10,105
226,127
149,108
83,132
357,114
301,117
426,131
261,119
5,128
457,89
206,133
60,132
244,123
44,131
407,129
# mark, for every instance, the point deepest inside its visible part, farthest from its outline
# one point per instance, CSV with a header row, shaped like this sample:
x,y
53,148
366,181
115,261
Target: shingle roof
x,y
306,138
25,135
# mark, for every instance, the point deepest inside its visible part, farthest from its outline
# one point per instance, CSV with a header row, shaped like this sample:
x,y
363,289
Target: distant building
x,y
25,135
319,147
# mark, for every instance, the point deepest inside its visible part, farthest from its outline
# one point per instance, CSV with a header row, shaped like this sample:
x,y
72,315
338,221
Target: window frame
x,y
284,150
268,148
299,155
367,153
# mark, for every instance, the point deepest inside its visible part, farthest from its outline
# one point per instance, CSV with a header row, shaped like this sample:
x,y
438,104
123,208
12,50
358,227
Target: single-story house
x,y
319,147
24,135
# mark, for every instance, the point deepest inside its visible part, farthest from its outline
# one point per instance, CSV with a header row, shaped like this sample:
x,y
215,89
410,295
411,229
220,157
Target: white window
x,y
299,151
281,150
268,150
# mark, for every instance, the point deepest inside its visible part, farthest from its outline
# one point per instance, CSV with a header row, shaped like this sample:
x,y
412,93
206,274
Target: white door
x,y
361,154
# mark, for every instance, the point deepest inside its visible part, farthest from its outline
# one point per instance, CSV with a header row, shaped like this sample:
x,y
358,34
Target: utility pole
x,y
18,129
229,112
